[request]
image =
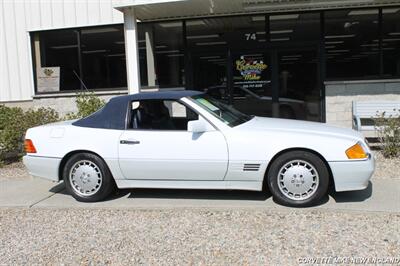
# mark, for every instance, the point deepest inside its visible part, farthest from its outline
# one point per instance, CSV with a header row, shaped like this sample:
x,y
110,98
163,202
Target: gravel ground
x,y
14,171
385,169
175,237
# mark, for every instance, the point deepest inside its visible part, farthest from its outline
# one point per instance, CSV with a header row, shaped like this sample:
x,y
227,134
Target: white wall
x,y
19,17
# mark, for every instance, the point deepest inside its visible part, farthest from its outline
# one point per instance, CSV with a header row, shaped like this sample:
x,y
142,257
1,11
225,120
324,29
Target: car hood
x,y
296,126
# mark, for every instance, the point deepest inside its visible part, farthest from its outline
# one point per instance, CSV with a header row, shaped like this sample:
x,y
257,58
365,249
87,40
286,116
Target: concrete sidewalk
x,y
381,195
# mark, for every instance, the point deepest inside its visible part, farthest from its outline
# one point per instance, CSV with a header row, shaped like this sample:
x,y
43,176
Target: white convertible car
x,y
187,140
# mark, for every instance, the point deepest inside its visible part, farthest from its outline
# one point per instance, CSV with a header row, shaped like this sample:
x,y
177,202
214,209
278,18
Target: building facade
x,y
298,59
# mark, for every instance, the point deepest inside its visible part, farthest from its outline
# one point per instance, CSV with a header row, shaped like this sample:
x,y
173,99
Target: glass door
x,y
209,73
282,82
251,90
299,88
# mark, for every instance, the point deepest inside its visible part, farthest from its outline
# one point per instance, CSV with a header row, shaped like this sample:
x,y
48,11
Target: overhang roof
x,y
153,10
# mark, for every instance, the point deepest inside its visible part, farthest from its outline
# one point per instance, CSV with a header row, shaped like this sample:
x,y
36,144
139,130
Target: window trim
x,y
129,117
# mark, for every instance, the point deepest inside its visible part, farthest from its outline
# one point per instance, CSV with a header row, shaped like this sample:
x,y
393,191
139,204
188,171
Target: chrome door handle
x,y
129,142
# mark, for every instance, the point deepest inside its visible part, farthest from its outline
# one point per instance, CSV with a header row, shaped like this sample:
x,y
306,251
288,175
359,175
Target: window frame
x,y
79,59
381,75
129,116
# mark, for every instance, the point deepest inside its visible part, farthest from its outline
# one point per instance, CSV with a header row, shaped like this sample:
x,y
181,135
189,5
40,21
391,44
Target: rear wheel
x,y
298,179
87,178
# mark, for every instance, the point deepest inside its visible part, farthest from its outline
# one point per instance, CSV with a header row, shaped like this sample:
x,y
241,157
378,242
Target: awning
x,y
153,10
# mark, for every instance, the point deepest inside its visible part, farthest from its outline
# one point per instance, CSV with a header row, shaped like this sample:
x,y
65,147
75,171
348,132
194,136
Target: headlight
x,y
356,151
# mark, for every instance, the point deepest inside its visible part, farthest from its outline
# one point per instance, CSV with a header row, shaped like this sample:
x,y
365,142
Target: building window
x,y
103,57
352,43
73,59
56,60
295,28
169,53
391,42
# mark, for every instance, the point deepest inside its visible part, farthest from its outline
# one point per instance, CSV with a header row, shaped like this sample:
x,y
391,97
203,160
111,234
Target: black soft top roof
x,y
114,114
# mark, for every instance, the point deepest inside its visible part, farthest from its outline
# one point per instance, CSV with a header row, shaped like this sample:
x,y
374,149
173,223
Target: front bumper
x,y
44,167
352,175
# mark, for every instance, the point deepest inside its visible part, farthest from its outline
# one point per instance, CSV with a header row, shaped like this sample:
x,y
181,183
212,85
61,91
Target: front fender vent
x,y
251,167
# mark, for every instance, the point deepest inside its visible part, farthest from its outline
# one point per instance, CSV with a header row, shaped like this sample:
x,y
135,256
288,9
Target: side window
x,y
160,115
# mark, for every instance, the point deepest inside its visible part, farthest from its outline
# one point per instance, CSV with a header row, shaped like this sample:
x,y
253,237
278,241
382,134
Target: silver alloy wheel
x,y
298,180
85,178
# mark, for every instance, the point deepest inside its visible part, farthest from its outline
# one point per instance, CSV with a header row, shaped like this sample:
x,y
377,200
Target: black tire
x,y
311,159
107,182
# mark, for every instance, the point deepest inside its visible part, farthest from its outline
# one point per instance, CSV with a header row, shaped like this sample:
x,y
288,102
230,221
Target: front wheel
x,y
87,178
298,179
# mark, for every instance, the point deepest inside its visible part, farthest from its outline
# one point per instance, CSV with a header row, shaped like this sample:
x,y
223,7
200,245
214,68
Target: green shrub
x,y
87,103
388,129
14,123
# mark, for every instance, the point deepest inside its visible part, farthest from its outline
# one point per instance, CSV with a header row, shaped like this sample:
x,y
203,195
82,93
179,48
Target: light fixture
x,y
280,31
330,47
294,55
252,55
370,53
174,55
115,55
119,42
279,39
385,48
369,45
391,40
161,46
194,37
210,43
94,51
334,42
217,60
168,52
210,57
394,33
289,59
339,36
99,30
359,55
338,51
64,46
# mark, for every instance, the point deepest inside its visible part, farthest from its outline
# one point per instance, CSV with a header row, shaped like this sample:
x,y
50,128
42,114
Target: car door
x,y
154,153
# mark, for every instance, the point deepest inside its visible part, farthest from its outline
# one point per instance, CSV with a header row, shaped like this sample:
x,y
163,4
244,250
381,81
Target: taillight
x,y
29,147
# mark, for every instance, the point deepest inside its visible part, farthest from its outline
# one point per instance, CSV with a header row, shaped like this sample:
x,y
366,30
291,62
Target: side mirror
x,y
198,126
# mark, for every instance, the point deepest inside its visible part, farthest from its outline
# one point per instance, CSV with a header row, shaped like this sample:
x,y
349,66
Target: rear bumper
x,y
45,167
352,175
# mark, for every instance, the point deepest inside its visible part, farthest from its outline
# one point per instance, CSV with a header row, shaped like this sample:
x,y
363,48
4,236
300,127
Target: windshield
x,y
223,112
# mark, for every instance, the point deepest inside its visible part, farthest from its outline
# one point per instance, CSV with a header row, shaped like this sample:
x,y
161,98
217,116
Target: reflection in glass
x,y
351,42
391,42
